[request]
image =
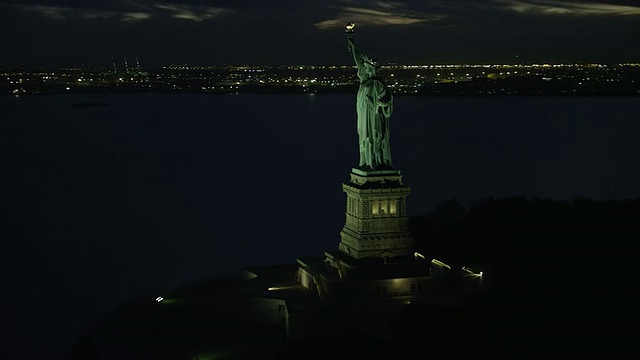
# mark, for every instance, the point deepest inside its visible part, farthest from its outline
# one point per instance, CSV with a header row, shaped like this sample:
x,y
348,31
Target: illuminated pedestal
x,y
376,215
375,257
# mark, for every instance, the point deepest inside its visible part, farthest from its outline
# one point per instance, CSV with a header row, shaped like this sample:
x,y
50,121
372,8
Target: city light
x,y
426,79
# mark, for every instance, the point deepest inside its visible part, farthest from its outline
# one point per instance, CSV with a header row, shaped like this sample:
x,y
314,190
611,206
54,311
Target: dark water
x,y
104,204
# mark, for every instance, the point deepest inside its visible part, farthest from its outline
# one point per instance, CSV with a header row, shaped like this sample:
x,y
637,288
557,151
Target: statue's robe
x,y
374,106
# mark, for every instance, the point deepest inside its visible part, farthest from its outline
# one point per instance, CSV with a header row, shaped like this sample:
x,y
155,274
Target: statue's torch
x,y
349,32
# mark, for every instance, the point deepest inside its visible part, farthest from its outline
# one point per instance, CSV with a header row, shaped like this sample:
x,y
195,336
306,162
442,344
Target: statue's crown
x,y
369,60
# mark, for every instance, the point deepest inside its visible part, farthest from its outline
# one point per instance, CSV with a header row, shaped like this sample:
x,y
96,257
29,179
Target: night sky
x,y
74,32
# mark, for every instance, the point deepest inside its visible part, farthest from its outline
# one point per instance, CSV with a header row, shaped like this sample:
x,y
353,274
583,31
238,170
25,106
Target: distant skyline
x,y
199,32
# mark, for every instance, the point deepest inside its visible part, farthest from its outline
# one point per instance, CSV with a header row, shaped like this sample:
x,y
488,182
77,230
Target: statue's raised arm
x,y
358,57
351,45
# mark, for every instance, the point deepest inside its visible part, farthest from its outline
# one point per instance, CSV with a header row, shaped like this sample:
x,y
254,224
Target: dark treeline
x,y
561,275
512,231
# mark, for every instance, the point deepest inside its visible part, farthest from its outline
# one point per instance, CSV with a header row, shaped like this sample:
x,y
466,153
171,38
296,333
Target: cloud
x,y
193,13
93,14
66,14
134,16
127,11
552,7
55,13
380,14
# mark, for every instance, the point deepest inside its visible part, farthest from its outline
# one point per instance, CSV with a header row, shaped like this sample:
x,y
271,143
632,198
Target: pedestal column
x,y
376,215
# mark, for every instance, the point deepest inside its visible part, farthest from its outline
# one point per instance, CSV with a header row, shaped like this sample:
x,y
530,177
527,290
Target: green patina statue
x,y
374,105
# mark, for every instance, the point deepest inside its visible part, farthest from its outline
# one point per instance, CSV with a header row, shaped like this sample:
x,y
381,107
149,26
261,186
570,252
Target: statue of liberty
x,y
374,105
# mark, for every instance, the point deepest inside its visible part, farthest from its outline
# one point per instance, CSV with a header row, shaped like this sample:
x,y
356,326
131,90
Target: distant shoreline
x,y
289,91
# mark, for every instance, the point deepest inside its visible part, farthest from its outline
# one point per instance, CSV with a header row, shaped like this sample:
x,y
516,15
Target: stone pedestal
x,y
376,215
